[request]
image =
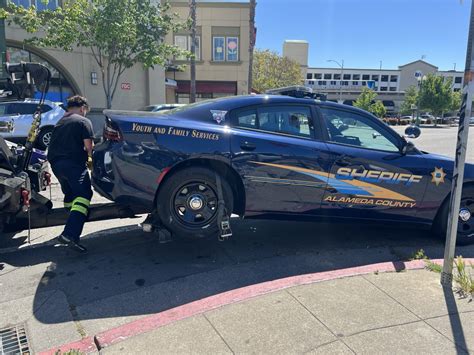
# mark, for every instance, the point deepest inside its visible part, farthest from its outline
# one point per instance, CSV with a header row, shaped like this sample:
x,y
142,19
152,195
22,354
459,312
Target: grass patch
x,y
464,278
69,352
433,266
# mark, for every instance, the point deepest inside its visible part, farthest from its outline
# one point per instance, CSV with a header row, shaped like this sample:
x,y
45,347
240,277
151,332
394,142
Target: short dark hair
x,y
77,101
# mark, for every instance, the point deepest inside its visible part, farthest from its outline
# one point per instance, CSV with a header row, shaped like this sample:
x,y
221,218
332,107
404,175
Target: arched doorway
x,y
60,89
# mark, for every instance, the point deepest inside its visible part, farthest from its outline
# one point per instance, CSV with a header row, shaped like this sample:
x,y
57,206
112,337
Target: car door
x,y
280,158
22,115
370,177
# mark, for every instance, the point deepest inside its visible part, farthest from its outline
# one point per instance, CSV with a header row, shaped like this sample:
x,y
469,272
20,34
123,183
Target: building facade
x,y
222,60
344,85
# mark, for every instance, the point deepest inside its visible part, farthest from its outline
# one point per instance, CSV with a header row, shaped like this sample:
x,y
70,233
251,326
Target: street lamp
x,y
420,79
341,65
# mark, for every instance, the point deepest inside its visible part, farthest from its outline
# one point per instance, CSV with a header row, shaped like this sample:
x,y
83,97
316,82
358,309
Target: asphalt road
x,y
128,273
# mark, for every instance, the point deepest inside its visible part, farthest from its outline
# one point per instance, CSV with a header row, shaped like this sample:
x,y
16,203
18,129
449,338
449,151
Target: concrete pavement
x,y
364,310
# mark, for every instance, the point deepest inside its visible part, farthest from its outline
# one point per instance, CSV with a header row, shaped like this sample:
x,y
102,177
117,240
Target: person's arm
x,y
88,146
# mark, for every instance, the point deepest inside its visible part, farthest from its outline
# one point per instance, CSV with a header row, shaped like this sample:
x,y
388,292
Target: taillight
x,y
25,197
111,131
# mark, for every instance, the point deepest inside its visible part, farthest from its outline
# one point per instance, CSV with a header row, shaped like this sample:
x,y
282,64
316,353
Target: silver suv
x,y
16,118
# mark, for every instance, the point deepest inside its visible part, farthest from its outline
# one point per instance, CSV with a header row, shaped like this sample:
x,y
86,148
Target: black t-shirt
x,y
67,140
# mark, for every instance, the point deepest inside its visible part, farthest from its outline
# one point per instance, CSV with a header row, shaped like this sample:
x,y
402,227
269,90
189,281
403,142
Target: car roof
x,y
31,101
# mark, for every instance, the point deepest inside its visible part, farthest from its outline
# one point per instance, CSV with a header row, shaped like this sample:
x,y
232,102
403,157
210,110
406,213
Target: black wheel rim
x,y
194,204
466,227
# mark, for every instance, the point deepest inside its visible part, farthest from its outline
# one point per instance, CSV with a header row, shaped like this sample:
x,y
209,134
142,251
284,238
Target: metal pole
x,y
3,43
340,82
458,172
192,86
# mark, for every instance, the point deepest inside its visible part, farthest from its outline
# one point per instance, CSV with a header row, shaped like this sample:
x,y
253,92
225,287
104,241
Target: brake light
x,y
47,179
111,131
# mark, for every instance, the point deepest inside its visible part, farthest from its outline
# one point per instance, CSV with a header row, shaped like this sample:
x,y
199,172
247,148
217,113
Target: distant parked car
x,y
18,115
471,120
157,108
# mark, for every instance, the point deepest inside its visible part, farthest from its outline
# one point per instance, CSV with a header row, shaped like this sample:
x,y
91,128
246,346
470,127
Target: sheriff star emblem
x,y
218,116
438,176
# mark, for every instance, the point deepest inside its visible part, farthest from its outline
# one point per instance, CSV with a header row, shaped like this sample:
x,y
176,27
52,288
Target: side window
x,y
21,109
356,130
45,108
294,120
3,109
247,118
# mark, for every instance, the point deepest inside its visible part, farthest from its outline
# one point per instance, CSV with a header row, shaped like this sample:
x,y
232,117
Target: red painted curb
x,y
123,332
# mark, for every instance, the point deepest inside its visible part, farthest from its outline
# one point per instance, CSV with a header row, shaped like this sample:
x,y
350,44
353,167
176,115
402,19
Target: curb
x,y
157,320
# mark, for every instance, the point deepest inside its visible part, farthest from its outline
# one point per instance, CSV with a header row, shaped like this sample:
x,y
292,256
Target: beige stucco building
x,y
222,65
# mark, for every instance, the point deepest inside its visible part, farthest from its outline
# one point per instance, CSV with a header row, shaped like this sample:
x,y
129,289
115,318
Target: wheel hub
x,y
464,214
196,203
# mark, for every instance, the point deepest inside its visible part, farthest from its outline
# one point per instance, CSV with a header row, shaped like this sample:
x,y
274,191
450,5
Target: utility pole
x,y
252,40
3,43
458,173
192,14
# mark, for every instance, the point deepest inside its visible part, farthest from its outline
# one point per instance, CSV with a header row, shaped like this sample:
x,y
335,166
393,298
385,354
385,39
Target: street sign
x,y
126,86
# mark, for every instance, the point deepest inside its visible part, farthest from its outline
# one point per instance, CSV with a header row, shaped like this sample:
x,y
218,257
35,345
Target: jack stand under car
x,y
152,224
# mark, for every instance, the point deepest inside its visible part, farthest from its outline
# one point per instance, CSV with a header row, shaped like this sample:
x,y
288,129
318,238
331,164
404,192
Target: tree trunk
x,y
192,15
252,37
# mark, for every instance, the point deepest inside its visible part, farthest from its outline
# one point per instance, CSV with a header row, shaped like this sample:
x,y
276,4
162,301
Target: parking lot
x,y
128,274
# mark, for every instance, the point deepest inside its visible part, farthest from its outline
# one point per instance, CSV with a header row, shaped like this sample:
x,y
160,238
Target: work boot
x,y
72,244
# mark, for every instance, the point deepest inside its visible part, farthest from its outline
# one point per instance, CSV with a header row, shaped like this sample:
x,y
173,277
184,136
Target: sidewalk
x,y
359,310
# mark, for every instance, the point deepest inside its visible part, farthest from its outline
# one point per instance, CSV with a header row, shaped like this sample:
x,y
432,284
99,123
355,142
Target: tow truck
x,y
24,170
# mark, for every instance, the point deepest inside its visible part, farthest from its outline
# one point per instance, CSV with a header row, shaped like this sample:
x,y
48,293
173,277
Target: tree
x,y
366,101
272,71
252,36
435,94
192,15
456,99
411,98
119,33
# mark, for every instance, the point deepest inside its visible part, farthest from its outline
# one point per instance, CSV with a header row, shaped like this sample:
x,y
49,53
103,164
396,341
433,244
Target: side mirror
x,y
407,148
412,132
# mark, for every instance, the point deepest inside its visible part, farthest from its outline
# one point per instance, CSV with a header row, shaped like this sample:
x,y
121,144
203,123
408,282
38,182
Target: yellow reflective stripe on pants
x,y
80,209
67,204
81,200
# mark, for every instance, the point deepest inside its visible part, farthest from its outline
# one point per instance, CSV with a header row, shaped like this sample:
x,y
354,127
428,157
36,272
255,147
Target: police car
x,y
273,156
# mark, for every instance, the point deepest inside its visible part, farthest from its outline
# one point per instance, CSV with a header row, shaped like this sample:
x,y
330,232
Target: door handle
x,y
247,146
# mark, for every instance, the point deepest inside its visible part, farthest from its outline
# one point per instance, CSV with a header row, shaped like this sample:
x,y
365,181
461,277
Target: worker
x,y
70,155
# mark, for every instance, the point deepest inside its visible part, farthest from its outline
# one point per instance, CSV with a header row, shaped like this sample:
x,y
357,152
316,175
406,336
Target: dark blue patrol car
x,y
272,156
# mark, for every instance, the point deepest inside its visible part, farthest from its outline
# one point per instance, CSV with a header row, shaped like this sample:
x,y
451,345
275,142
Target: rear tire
x,y
465,228
187,203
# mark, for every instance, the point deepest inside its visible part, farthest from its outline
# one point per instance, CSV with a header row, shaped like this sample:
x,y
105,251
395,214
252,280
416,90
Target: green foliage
x,y
464,278
435,94
456,99
272,71
419,255
433,266
411,98
119,33
69,352
366,101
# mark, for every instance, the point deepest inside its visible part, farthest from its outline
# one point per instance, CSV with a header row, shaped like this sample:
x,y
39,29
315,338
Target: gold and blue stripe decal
x,y
349,186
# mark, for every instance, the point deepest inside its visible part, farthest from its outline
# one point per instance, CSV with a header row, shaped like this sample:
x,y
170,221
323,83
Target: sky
x,y
365,32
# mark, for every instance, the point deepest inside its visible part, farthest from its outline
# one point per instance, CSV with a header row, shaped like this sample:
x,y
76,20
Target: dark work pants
x,y
76,186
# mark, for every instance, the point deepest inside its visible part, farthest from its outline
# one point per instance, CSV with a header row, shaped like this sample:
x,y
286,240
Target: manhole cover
x,y
13,340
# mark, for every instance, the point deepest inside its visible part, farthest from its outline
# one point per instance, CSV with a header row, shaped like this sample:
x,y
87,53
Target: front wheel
x,y
188,200
465,233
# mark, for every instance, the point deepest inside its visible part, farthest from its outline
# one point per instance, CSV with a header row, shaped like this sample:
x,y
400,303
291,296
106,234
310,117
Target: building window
x,y
457,89
366,77
345,83
333,82
184,42
364,83
327,76
309,76
384,77
393,78
355,83
318,76
383,88
232,49
458,80
218,52
337,76
347,76
356,77
375,77
322,82
40,5
225,49
393,89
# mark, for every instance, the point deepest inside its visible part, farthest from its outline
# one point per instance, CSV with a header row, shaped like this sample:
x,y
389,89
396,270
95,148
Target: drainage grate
x,y
13,341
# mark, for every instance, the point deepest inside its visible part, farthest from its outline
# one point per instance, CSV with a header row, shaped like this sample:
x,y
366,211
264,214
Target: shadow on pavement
x,y
455,321
131,274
